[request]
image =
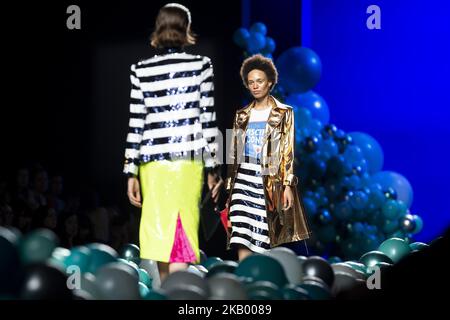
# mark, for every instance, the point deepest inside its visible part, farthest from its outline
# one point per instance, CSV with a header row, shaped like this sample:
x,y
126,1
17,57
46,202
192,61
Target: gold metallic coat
x,y
277,168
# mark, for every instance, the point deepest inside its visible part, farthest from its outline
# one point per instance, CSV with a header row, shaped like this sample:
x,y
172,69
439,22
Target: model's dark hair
x,y
261,63
172,29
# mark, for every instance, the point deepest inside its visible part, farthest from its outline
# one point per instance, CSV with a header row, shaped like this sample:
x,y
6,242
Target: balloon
x,y
418,224
209,263
203,256
259,27
182,280
117,281
327,233
145,278
311,101
407,223
155,295
371,258
292,292
299,68
334,259
101,254
152,269
371,150
58,257
329,148
344,268
131,252
390,209
401,186
310,206
317,289
343,282
270,46
226,286
44,282
79,256
263,290
88,285
241,36
395,248
329,131
289,261
186,292
226,266
258,267
343,210
358,199
318,267
37,246
196,271
255,42
418,245
143,290
302,117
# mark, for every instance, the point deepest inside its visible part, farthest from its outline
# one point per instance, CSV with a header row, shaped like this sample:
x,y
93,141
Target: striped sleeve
x,y
208,115
135,125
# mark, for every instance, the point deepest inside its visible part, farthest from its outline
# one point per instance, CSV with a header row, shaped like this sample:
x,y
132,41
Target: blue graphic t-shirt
x,y
255,132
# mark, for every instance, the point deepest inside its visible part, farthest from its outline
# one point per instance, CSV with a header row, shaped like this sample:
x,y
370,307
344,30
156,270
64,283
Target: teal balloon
x,y
259,27
145,278
300,69
327,233
419,224
358,200
390,226
37,246
211,261
371,150
258,267
143,290
391,209
131,252
101,254
59,256
371,258
79,256
390,179
334,259
395,248
226,266
313,102
343,211
240,37
418,246
155,295
357,266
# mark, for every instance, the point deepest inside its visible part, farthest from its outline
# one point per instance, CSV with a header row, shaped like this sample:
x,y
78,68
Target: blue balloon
x,y
255,42
302,117
343,210
310,206
390,209
371,150
329,148
311,101
390,226
300,69
315,126
358,200
353,154
259,27
270,45
241,36
390,179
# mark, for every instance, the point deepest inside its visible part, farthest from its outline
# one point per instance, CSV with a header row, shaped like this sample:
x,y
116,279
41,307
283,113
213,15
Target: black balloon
x,y
44,282
328,131
310,144
10,269
317,267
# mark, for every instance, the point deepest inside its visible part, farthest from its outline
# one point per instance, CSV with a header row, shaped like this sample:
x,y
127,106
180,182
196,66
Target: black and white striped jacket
x,y
172,113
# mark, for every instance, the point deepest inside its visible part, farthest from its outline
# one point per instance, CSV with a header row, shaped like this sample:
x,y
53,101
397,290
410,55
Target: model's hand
x,y
214,184
134,192
288,198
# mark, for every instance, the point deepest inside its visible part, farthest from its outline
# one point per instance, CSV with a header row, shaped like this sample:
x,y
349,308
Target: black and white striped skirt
x,y
248,210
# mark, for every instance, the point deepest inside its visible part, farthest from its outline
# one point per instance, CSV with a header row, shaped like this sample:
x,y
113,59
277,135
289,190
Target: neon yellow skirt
x,y
171,192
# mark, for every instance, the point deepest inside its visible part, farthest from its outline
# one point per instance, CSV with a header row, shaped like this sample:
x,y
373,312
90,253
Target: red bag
x,y
225,221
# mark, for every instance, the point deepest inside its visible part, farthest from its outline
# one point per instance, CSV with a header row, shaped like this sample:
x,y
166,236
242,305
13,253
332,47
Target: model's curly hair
x,y
262,63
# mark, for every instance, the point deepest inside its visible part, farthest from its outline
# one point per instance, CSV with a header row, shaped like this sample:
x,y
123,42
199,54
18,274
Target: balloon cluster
x,y
255,40
33,267
353,205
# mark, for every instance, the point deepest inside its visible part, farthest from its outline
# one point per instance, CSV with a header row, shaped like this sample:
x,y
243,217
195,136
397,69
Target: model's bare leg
x,y
243,252
177,266
163,270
